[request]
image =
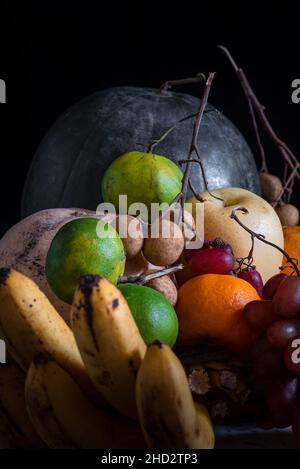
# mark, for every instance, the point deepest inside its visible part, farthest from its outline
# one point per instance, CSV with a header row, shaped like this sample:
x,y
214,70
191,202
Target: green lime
x,y
83,246
143,177
153,314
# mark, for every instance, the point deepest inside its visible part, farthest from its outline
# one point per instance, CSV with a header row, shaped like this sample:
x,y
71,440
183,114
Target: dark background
x,y
54,53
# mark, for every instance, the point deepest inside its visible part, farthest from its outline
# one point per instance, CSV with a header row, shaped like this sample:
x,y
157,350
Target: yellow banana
x,y
30,324
168,414
65,418
109,341
13,407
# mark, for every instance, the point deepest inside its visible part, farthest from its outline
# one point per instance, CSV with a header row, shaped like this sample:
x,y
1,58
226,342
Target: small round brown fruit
x,y
188,227
164,244
136,265
131,233
271,187
164,285
288,215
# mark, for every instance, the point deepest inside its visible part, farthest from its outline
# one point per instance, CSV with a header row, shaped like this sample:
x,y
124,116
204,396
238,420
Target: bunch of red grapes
x,y
275,354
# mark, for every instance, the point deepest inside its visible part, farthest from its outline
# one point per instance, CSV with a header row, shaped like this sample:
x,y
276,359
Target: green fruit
x,y
77,250
143,177
153,314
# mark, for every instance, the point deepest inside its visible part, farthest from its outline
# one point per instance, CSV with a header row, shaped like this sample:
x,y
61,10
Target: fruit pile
x,y
141,293
95,385
99,309
276,352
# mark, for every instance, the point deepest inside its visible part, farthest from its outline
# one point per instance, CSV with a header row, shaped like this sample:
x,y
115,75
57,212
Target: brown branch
x,y
186,181
286,188
145,278
200,77
286,152
264,166
193,148
261,237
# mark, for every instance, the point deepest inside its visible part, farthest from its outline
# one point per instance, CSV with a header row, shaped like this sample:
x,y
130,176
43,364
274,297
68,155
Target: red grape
x,y
271,286
211,261
259,314
252,276
296,419
287,298
281,399
260,346
292,356
281,332
269,364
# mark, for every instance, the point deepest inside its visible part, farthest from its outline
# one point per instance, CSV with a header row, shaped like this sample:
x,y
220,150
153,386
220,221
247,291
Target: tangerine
x,y
291,245
210,310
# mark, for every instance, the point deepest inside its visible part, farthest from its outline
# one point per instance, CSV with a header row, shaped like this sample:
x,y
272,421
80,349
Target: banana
x,y
168,415
65,418
30,324
13,407
109,341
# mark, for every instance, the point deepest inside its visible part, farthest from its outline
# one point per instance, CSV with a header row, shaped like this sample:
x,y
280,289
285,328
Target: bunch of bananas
x,y
96,385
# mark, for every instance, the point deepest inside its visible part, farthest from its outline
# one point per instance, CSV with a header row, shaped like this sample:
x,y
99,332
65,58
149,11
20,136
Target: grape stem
x,y
246,261
145,278
261,237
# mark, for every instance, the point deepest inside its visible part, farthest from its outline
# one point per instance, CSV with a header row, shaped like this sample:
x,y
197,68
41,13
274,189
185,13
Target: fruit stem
x,y
200,77
156,142
288,187
256,107
246,261
261,237
145,278
181,197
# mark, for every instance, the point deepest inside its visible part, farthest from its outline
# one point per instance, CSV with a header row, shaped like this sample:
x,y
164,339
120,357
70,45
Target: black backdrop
x,y
54,53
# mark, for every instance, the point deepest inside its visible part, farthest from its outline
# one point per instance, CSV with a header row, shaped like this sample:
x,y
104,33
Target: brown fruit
x,y
164,285
136,265
165,243
188,227
271,187
131,232
288,214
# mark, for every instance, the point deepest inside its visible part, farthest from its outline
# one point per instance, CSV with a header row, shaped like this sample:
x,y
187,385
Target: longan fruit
x,y
188,227
288,214
271,187
131,233
166,244
164,285
136,265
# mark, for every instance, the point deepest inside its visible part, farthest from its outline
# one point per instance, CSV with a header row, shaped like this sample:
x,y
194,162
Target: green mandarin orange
x,y
77,249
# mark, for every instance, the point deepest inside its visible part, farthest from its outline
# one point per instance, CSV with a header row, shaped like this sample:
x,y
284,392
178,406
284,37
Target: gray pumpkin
x,y
70,161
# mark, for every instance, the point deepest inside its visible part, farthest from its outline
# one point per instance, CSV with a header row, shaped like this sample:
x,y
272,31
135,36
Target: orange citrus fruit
x,y
291,244
210,310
